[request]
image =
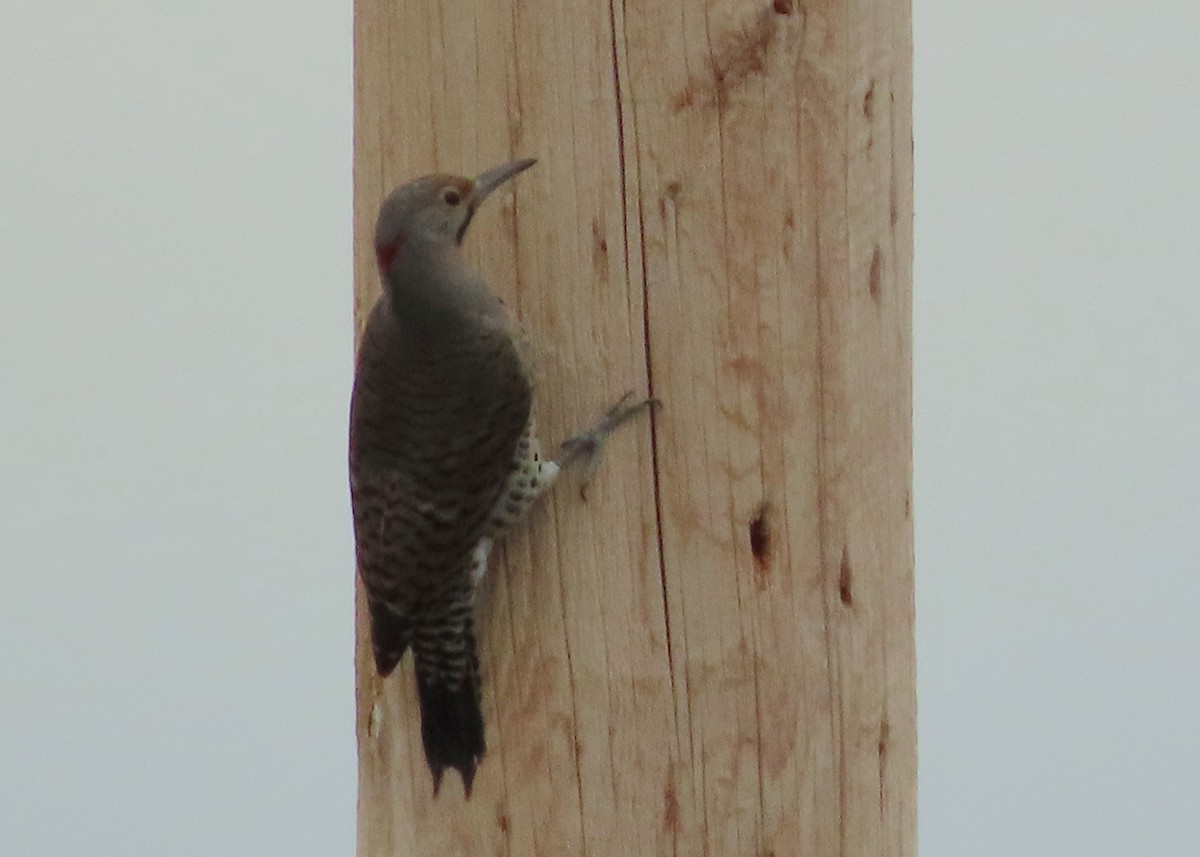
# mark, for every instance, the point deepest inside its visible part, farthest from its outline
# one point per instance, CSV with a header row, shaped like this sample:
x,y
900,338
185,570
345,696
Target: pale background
x,y
175,359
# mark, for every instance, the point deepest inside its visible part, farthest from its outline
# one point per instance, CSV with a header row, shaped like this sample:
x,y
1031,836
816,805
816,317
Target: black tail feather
x,y
451,727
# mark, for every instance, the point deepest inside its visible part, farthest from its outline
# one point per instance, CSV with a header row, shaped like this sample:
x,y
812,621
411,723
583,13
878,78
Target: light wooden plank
x,y
723,208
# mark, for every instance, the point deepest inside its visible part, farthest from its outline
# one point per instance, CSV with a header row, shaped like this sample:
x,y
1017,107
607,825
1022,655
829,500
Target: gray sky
x,y
175,602
1057,374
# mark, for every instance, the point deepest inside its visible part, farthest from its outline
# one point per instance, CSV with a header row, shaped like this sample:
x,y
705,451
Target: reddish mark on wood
x,y
885,734
737,56
762,542
908,503
599,249
868,109
844,591
386,253
670,808
502,821
768,393
875,278
669,197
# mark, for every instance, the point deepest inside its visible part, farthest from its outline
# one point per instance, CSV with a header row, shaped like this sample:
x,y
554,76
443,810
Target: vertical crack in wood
x,y
513,135
847,119
575,746
616,15
655,463
823,536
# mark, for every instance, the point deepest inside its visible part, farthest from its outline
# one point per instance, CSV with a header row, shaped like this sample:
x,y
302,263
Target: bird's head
x,y
434,210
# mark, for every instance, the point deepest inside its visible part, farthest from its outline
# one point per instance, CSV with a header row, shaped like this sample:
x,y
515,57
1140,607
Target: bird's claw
x,y
588,445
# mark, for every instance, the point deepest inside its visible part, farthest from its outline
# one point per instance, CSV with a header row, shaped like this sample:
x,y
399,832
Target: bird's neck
x,y
431,284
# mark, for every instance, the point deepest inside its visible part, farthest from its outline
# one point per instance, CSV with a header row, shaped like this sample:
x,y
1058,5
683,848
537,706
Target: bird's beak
x,y
485,184
496,176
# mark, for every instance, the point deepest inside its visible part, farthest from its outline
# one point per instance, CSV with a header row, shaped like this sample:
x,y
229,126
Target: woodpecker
x,y
444,457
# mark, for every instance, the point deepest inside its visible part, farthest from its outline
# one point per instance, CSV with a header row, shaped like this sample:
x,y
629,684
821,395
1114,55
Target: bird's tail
x,y
448,689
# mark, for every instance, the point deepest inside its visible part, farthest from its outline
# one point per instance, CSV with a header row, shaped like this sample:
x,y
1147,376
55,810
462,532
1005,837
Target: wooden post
x,y
714,653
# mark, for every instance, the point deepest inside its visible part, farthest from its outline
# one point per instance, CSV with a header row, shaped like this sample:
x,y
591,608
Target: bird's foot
x,y
587,446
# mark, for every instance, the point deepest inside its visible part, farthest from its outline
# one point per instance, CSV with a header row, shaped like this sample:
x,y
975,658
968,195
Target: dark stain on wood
x,y
875,278
762,542
868,109
844,575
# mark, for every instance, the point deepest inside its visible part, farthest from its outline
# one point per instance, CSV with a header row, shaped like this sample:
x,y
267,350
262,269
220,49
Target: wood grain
x,y
712,655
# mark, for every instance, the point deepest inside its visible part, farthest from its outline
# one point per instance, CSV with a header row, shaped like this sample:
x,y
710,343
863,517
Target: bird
x,y
444,456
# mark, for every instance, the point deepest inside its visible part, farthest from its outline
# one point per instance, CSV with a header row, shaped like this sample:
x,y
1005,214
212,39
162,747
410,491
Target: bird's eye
x,y
451,196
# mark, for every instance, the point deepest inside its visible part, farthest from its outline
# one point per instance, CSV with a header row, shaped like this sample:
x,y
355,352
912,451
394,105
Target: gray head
x,y
434,210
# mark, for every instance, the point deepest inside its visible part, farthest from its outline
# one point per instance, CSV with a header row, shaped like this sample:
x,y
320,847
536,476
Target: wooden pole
x,y
714,653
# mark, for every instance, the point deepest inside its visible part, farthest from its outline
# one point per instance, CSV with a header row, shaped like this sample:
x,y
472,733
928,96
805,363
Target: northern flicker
x,y
443,453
